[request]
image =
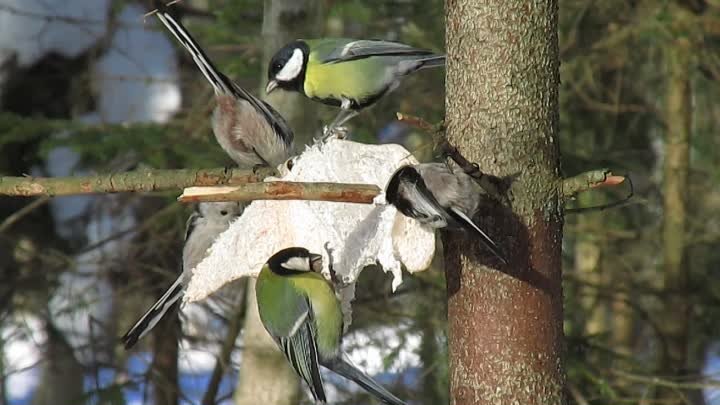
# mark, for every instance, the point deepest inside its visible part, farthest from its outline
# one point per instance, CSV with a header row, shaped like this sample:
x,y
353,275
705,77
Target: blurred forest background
x,y
87,87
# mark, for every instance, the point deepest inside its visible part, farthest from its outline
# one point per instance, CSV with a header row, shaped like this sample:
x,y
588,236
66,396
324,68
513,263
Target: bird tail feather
x,y
154,314
489,243
343,367
219,82
432,62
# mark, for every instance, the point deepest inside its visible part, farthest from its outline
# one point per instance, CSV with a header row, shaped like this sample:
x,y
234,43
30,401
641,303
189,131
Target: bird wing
x,y
276,121
191,223
299,345
425,207
343,50
218,80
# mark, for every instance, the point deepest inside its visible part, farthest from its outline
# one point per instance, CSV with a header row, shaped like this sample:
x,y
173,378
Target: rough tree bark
x,y
505,324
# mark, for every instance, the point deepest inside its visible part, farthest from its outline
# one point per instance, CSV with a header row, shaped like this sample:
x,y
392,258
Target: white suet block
x,y
357,234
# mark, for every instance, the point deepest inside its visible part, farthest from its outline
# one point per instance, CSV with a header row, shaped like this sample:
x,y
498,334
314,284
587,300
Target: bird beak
x,y
272,85
316,262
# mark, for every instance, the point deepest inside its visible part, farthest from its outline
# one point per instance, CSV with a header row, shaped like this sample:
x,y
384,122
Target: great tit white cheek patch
x,y
358,235
292,68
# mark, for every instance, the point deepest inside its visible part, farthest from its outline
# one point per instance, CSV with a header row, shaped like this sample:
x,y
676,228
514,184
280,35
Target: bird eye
x,y
223,212
277,66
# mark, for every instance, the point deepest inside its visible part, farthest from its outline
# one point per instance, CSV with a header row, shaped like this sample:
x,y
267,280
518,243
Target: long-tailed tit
x,y
247,128
203,227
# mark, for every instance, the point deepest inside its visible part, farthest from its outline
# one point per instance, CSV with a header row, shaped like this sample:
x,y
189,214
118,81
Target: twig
x,y
284,190
664,382
577,395
170,3
491,184
614,204
223,360
135,181
589,180
22,212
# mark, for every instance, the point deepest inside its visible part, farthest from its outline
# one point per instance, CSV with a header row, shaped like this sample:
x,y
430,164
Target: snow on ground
x,y
23,339
711,371
369,348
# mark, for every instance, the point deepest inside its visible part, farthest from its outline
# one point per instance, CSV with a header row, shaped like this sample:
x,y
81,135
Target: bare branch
x,y
588,181
284,190
491,184
146,180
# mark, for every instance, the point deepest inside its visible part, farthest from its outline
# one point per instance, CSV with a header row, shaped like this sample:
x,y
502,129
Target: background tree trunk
x,y
676,302
265,375
505,325
164,375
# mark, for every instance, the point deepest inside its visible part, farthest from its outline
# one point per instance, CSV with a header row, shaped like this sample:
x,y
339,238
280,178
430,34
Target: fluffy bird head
x,y
287,67
220,211
295,260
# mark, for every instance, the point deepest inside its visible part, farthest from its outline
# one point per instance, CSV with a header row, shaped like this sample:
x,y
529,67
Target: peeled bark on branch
x,y
285,190
587,181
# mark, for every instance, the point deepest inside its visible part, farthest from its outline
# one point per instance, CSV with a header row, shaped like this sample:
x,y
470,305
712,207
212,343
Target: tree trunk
x,y
164,375
678,116
265,375
505,324
62,375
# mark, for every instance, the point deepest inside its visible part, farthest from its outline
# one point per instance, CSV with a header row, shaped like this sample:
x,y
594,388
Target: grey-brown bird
x,y
204,225
247,128
439,198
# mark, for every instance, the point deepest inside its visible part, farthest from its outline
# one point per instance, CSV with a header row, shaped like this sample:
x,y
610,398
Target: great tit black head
x,y
295,260
287,67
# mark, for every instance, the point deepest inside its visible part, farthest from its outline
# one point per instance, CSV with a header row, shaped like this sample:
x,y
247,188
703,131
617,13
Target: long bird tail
x,y
432,62
343,367
469,224
220,83
154,314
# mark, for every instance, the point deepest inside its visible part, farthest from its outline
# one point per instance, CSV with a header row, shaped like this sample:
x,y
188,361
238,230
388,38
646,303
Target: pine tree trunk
x,y
678,115
505,324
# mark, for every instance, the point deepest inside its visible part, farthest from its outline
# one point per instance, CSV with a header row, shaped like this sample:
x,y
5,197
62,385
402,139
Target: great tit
x,y
202,228
247,128
299,310
438,197
346,73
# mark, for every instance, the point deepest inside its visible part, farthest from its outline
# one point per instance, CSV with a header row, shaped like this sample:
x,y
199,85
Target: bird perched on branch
x,y
299,310
247,128
204,225
346,73
439,198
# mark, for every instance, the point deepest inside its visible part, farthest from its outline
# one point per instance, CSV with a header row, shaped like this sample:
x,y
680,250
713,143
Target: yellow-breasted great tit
x,y
438,197
247,128
299,310
202,228
346,73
